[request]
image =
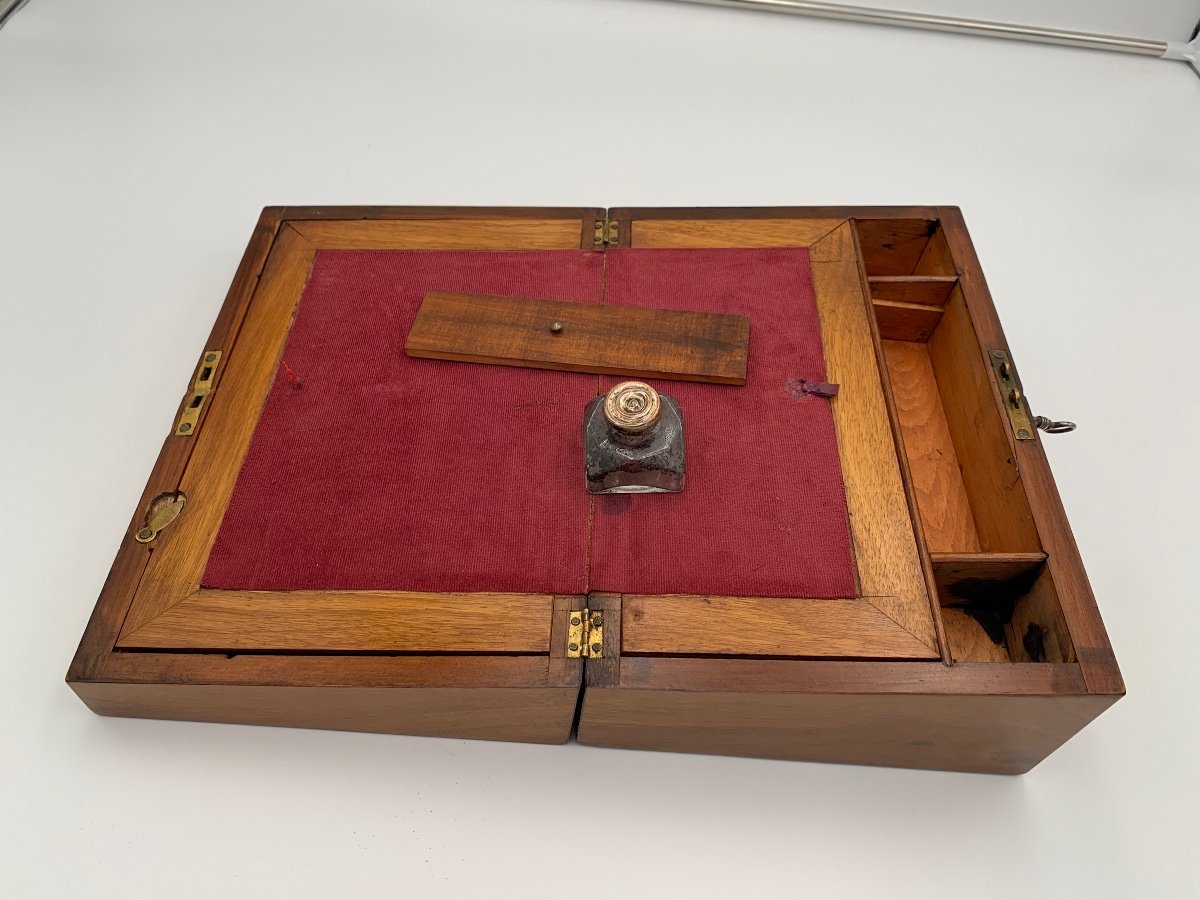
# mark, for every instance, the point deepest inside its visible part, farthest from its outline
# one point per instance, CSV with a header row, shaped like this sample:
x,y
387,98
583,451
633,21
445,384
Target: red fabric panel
x,y
371,470
763,512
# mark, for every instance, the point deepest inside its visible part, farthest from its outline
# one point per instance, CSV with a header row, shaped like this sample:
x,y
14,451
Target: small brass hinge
x,y
585,634
606,233
201,388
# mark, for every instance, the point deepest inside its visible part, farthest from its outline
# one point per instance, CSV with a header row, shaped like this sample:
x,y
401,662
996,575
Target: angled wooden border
x,y
730,233
340,621
765,626
892,617
485,233
169,610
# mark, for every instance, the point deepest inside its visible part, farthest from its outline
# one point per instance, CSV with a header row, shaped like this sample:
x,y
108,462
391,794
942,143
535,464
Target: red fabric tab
x,y
763,512
370,470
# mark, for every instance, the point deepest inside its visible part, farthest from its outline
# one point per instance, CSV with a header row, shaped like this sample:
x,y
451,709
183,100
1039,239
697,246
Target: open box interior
x,y
371,470
376,490
997,599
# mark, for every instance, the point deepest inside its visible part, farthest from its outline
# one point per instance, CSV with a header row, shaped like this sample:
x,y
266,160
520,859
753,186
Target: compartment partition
x,y
998,601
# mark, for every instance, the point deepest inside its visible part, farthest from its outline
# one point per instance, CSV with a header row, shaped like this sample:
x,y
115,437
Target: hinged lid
x,y
607,232
585,634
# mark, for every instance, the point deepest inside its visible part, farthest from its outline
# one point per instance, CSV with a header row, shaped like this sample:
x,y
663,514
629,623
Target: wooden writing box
x,y
958,633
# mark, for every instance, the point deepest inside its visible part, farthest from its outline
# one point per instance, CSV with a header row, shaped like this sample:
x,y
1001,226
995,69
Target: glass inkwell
x,y
633,441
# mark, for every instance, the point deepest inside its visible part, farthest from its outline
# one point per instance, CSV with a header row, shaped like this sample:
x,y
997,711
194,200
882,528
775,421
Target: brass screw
x,y
209,357
185,427
556,327
597,620
574,620
145,534
1023,434
572,647
595,648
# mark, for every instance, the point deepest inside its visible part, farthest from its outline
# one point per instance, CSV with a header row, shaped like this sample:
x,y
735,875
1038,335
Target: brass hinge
x,y
201,388
585,634
606,233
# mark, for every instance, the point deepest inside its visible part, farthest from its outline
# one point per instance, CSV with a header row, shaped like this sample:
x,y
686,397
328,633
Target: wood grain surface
x,y
890,569
717,233
933,464
339,621
896,246
484,233
604,340
764,626
951,569
532,715
968,640
969,733
924,290
905,321
981,435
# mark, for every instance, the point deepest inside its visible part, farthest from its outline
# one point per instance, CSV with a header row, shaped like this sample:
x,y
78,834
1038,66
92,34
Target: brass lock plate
x,y
1012,394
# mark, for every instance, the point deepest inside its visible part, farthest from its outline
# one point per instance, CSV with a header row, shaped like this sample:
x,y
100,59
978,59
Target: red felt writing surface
x,y
764,509
370,470
381,472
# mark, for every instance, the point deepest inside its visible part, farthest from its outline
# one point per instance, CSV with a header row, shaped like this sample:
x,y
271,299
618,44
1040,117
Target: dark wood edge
x,y
772,212
102,629
604,671
914,514
287,213
327,670
1092,645
846,677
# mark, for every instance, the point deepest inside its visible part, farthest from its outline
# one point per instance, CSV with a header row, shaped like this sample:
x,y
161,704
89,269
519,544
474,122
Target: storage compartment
x,y
998,601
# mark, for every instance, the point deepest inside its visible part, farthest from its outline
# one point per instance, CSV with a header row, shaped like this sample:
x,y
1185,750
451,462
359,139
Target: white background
x,y
138,142
1161,20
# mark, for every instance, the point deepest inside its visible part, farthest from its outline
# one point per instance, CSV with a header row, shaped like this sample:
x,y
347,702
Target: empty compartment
x,y
1001,608
997,597
898,247
969,494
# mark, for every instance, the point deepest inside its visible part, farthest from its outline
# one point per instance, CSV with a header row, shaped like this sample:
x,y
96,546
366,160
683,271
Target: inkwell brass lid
x,y
632,407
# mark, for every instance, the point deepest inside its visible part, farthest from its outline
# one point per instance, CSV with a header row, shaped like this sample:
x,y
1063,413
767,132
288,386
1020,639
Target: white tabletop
x,y
139,140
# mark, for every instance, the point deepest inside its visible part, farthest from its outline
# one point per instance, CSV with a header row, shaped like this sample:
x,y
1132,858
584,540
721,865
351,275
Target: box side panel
x,y
992,734
536,715
1087,634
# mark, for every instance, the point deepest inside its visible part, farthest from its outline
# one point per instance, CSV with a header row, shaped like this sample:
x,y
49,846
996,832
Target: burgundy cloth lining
x,y
763,512
383,472
373,471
